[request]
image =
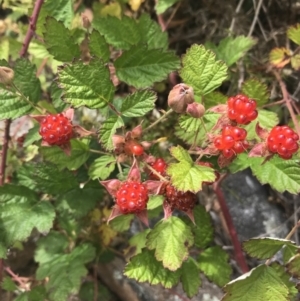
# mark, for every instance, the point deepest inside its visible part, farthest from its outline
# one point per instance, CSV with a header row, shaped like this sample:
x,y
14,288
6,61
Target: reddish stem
x,y
239,256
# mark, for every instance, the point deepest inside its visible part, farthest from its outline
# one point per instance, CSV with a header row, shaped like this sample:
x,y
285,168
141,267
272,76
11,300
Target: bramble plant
x,y
95,159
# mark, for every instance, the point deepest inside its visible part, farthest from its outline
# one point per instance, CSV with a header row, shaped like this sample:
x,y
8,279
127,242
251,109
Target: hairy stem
x,y
158,120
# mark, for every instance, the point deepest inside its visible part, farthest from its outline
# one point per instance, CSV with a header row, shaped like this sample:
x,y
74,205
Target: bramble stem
x,y
158,120
156,173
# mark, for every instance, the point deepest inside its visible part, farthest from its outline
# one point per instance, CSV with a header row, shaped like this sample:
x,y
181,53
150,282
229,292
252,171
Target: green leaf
x,y
260,284
151,33
8,285
185,175
171,239
190,124
201,70
141,67
145,268
79,155
46,177
121,223
102,167
65,271
293,33
263,248
289,251
256,90
214,98
56,96
59,41
293,266
32,136
266,120
108,129
190,277
86,85
162,5
138,241
213,262
138,104
98,46
154,201
37,293
231,49
79,202
121,34
21,212
279,57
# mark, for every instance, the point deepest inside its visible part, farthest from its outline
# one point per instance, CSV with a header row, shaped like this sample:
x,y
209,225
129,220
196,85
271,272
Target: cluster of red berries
x,y
132,147
241,109
283,140
132,197
232,141
56,129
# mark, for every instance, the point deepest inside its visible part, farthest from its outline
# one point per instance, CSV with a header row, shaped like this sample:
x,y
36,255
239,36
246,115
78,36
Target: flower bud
x,y
6,75
137,132
195,109
179,97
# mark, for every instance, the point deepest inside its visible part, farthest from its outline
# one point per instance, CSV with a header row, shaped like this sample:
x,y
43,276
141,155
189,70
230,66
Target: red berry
x,y
180,200
132,197
241,109
283,140
132,147
160,166
56,129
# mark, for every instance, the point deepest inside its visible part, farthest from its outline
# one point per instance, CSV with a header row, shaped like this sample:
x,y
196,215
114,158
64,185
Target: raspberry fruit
x,y
132,147
232,141
283,140
208,164
56,129
184,201
160,166
132,197
241,109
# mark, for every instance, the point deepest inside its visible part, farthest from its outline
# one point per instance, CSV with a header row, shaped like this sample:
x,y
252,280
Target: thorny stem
x,y
239,256
156,173
158,121
120,169
114,109
95,151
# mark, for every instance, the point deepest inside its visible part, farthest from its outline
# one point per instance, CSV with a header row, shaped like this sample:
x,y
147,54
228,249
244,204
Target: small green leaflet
x,y
98,46
263,248
260,284
56,93
32,136
214,98
155,201
171,239
140,66
186,175
293,33
20,212
138,103
36,293
7,284
108,129
201,70
162,5
102,167
190,277
213,262
293,266
256,90
289,251
59,41
121,223
138,241
144,267
86,85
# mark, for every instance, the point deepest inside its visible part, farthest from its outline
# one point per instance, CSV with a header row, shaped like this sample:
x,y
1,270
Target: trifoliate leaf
x,y
102,167
293,33
151,33
20,212
231,49
138,104
122,223
266,119
37,293
108,129
171,239
144,267
295,61
64,271
162,5
201,70
263,248
186,175
8,285
293,266
86,85
190,277
79,155
256,90
214,98
59,41
260,284
46,177
79,201
32,136
213,262
138,241
279,57
289,251
141,67
98,46
121,34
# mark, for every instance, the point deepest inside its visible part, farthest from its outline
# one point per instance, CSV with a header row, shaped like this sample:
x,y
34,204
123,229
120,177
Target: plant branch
x,y
239,256
158,120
